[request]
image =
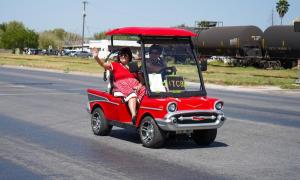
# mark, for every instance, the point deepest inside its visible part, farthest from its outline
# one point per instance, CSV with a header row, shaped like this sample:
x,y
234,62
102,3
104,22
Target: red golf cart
x,y
175,101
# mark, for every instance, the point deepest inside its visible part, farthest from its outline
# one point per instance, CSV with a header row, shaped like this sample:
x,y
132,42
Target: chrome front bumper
x,y
181,120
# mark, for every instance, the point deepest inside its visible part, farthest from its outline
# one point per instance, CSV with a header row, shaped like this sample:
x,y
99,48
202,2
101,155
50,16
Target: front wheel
x,y
150,134
99,124
204,137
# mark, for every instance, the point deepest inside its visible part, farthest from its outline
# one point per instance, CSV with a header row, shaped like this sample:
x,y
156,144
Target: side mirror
x,y
133,67
297,26
203,65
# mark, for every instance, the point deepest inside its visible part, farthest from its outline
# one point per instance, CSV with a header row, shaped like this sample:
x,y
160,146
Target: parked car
x,y
50,52
83,54
69,52
172,105
32,51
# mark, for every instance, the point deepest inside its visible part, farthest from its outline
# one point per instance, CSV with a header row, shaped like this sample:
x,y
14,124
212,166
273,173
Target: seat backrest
x,y
109,77
110,85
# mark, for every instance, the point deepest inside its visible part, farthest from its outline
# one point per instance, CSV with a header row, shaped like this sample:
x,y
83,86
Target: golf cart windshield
x,y
171,68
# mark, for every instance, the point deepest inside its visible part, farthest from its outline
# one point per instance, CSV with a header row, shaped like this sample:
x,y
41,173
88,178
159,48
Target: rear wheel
x,y
150,134
99,124
204,137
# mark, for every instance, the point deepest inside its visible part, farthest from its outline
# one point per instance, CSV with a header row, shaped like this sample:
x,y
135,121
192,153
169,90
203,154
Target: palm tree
x,y
282,7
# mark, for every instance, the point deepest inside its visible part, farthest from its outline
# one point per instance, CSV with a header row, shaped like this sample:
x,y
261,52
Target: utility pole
x,y
272,17
84,15
297,29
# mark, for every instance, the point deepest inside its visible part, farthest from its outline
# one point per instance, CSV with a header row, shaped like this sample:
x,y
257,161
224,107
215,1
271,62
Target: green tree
x,y
100,35
31,39
3,26
60,33
57,38
16,35
2,30
47,39
203,24
282,7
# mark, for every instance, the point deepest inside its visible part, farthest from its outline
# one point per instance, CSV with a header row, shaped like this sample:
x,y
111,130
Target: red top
x,y
151,31
121,72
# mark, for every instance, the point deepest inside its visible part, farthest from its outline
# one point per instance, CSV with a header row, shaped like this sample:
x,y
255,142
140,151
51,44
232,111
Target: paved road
x,y
45,134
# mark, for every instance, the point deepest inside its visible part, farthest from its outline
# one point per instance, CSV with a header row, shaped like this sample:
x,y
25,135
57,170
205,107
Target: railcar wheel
x,y
150,134
99,124
204,137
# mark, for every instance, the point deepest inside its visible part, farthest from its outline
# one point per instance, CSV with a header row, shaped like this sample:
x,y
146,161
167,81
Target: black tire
x,y
99,124
150,134
204,137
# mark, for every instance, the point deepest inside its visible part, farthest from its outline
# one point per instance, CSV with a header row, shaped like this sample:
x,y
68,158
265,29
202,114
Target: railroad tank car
x,y
282,43
234,41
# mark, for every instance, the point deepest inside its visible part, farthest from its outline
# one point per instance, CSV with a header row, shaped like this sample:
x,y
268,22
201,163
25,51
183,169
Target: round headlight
x,y
219,106
172,107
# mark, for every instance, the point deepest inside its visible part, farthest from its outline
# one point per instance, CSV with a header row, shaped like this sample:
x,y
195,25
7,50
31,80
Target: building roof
x,y
151,31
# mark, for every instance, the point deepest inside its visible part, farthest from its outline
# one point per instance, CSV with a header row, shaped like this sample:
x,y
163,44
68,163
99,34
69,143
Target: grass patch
x,y
65,64
217,73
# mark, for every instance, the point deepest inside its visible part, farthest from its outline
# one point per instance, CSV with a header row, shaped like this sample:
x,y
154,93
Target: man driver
x,y
155,63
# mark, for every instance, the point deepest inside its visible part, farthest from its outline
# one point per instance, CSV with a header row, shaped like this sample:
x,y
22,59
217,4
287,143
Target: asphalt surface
x,y
45,134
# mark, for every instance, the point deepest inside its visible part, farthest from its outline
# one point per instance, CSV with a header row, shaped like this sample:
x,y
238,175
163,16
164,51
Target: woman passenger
x,y
124,81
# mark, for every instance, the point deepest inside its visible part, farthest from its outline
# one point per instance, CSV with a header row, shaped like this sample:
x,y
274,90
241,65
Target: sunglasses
x,y
124,56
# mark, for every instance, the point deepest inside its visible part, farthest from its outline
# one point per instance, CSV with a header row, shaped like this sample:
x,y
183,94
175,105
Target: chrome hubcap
x,y
96,122
147,132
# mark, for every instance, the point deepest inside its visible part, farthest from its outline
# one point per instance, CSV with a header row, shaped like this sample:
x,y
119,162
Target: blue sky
x,y
41,15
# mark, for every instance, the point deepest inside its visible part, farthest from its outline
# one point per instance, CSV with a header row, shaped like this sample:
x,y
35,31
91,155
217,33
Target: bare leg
x,y
132,106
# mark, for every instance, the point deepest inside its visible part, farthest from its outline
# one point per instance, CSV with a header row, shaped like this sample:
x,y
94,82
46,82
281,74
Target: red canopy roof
x,y
151,31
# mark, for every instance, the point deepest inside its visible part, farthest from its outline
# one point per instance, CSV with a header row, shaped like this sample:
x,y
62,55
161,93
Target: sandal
x,y
133,120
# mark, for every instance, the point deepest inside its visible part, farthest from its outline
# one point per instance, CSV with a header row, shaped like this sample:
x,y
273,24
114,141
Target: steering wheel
x,y
168,71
